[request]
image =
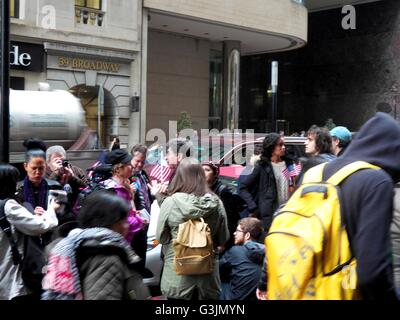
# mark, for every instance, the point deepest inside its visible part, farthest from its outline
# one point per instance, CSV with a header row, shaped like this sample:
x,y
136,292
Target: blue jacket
x,y
243,263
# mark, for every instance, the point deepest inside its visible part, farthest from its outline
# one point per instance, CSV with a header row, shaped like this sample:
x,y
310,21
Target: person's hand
x,y
38,211
163,188
66,174
261,295
154,187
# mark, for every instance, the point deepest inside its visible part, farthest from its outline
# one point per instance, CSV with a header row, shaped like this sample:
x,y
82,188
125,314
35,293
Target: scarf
x,y
29,194
62,281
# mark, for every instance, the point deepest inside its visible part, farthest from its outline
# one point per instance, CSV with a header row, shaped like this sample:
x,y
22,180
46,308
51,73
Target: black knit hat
x,y
118,156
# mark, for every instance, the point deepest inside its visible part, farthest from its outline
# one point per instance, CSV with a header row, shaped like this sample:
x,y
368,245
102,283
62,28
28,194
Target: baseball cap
x,y
118,156
342,133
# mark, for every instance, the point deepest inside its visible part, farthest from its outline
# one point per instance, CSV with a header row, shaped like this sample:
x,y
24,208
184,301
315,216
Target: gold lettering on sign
x,y
63,62
77,63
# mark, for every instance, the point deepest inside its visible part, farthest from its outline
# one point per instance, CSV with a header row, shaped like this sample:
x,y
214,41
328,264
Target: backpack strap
x,y
349,169
314,174
6,227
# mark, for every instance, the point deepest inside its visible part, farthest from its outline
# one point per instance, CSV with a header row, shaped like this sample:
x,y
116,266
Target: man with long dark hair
x,y
271,180
318,149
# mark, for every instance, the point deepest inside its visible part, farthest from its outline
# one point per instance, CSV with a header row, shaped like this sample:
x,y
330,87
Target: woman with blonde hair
x,y
190,198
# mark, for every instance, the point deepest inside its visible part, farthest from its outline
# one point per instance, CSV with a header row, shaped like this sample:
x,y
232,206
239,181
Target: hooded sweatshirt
x,y
243,263
176,209
367,203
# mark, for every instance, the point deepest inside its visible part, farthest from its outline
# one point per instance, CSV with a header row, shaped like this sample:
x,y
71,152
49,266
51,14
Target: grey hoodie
x,y
179,208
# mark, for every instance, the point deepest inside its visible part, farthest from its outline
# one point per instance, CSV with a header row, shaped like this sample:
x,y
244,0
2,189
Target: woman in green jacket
x,y
190,198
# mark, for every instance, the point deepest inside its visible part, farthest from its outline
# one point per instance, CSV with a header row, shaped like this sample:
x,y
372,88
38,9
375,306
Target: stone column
x,y
230,110
137,121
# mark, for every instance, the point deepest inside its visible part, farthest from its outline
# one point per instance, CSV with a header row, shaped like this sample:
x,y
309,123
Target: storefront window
x,y
14,8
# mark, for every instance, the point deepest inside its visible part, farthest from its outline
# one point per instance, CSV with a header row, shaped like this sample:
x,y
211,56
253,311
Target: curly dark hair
x,y
323,139
269,144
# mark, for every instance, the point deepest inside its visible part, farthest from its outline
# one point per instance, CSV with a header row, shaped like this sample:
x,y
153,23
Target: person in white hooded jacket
x,y
22,223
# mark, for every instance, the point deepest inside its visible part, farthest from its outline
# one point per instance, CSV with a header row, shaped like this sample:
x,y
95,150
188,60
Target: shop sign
x,y
86,64
26,56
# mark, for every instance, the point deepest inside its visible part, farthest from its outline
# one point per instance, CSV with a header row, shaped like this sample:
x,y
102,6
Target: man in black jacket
x,y
367,203
268,185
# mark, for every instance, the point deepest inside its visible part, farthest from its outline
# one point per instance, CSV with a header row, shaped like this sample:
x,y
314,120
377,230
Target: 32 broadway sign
x,y
26,56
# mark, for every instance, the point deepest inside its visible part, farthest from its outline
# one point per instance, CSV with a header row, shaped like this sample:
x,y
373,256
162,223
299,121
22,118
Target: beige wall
x,y
177,79
275,16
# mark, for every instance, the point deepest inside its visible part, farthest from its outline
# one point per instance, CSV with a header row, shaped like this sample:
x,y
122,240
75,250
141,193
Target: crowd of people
x,y
91,241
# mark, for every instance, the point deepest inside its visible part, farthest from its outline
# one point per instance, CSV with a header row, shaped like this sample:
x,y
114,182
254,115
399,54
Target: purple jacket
x,y
134,220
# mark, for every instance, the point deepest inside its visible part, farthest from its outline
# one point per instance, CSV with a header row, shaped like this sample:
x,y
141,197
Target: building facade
x,y
91,48
137,64
194,50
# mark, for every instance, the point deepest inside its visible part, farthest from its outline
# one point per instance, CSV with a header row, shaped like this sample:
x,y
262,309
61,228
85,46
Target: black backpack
x,y
96,174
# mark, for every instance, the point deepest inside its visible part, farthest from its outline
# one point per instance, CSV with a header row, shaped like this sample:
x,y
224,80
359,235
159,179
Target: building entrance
x,y
91,103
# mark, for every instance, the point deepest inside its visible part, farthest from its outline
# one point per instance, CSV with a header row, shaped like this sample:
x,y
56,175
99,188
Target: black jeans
x,y
139,245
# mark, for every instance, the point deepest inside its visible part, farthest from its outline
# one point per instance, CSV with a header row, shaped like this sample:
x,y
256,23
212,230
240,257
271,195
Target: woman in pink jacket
x,y
121,172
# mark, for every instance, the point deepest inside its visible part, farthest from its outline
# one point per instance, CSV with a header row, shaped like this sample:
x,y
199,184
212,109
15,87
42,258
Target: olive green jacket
x,y
179,208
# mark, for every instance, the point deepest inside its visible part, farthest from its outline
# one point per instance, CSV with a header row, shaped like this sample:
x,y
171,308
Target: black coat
x,y
232,208
265,201
367,203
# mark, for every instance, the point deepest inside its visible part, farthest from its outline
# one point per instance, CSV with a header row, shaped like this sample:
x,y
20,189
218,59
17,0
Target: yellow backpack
x,y
307,247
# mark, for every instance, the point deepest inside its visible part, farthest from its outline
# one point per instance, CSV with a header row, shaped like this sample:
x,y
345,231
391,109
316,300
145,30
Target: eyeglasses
x,y
238,230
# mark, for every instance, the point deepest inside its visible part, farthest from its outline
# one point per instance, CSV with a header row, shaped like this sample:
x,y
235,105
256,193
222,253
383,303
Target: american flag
x,y
160,173
292,170
295,169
